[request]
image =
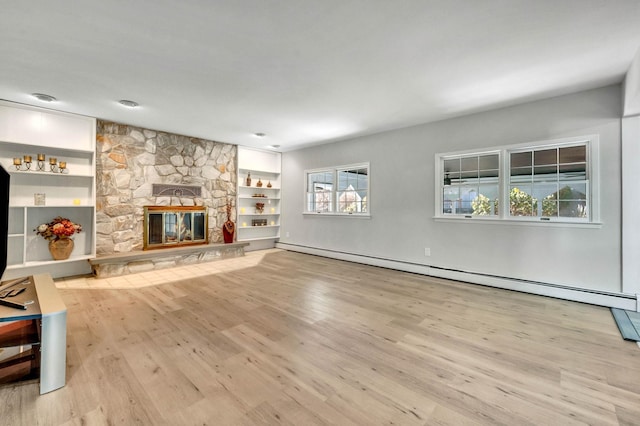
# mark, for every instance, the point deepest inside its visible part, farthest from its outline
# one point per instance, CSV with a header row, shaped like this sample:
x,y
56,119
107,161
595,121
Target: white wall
x,y
402,197
631,205
632,88
630,179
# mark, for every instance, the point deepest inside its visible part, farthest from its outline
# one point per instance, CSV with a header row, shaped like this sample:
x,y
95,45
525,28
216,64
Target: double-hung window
x,y
544,181
342,190
320,191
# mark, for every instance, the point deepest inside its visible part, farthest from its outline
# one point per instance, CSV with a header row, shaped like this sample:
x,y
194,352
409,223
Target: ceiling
x,y
307,71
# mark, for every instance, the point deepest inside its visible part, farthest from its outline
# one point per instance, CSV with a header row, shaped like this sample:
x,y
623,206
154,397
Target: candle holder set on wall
x,y
26,163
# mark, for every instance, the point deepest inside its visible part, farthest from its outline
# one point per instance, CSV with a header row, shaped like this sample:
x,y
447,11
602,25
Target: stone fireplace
x,y
138,167
173,226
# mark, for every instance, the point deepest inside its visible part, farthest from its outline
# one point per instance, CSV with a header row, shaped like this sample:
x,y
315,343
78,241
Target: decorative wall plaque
x,y
169,190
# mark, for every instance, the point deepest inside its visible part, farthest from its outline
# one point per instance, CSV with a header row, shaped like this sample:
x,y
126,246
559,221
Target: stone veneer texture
x,y
130,160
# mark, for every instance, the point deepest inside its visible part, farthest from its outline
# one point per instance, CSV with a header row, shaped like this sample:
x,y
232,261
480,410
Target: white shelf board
x,y
24,147
244,170
55,206
33,263
273,188
45,173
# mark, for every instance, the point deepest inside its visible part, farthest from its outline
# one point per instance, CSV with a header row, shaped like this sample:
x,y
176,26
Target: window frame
x,y
592,179
334,193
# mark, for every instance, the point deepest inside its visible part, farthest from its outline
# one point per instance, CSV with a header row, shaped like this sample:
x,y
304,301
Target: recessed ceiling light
x,y
128,104
273,146
43,97
260,135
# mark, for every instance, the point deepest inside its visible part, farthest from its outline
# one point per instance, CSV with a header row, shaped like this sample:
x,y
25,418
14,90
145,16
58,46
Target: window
x,y
471,184
338,190
547,181
319,191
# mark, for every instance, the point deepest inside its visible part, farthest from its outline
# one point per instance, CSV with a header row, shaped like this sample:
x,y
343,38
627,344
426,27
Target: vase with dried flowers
x,y
59,232
228,228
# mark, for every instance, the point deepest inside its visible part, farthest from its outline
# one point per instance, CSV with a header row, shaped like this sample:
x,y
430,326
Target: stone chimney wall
x,y
129,160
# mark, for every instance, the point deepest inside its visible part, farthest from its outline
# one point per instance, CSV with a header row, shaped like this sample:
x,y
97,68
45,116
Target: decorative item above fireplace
x,y
173,190
171,226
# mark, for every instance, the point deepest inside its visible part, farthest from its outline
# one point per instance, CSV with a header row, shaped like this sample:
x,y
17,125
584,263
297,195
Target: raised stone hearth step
x,y
141,261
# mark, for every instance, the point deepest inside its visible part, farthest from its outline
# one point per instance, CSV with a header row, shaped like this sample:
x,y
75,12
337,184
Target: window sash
x,y
549,182
470,184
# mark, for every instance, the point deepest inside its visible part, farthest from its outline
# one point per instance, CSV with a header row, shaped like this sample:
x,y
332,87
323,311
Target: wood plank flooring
x,y
304,340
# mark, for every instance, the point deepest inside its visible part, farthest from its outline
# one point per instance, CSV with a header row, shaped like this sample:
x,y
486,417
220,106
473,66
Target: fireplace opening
x,y
171,226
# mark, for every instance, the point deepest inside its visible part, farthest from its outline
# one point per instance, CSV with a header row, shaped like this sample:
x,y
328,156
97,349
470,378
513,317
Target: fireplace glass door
x,y
172,226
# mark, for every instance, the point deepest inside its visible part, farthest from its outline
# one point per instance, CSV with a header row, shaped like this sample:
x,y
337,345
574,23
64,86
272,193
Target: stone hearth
x,y
142,261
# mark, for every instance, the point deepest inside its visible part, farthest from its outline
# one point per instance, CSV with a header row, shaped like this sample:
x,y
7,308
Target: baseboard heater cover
x,y
593,297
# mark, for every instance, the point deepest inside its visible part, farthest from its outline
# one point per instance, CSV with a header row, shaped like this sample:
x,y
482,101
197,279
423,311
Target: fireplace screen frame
x,y
175,226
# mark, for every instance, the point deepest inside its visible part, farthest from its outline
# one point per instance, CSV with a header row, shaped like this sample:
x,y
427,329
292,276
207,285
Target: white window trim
x,y
593,172
334,195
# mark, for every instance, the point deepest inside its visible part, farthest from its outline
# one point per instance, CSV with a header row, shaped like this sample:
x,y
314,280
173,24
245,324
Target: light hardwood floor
x,y
303,340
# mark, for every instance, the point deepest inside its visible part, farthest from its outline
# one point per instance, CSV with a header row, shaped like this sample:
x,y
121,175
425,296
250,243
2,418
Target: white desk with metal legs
x,y
42,328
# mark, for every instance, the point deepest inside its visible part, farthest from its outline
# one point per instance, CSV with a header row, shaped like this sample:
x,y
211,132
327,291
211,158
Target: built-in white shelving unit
x,y
27,130
260,228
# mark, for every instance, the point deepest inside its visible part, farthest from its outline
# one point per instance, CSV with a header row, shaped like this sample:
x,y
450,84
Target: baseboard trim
x,y
593,297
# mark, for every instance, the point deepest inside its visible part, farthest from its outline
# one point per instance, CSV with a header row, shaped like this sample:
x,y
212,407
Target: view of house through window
x,y
341,190
319,191
353,186
545,181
